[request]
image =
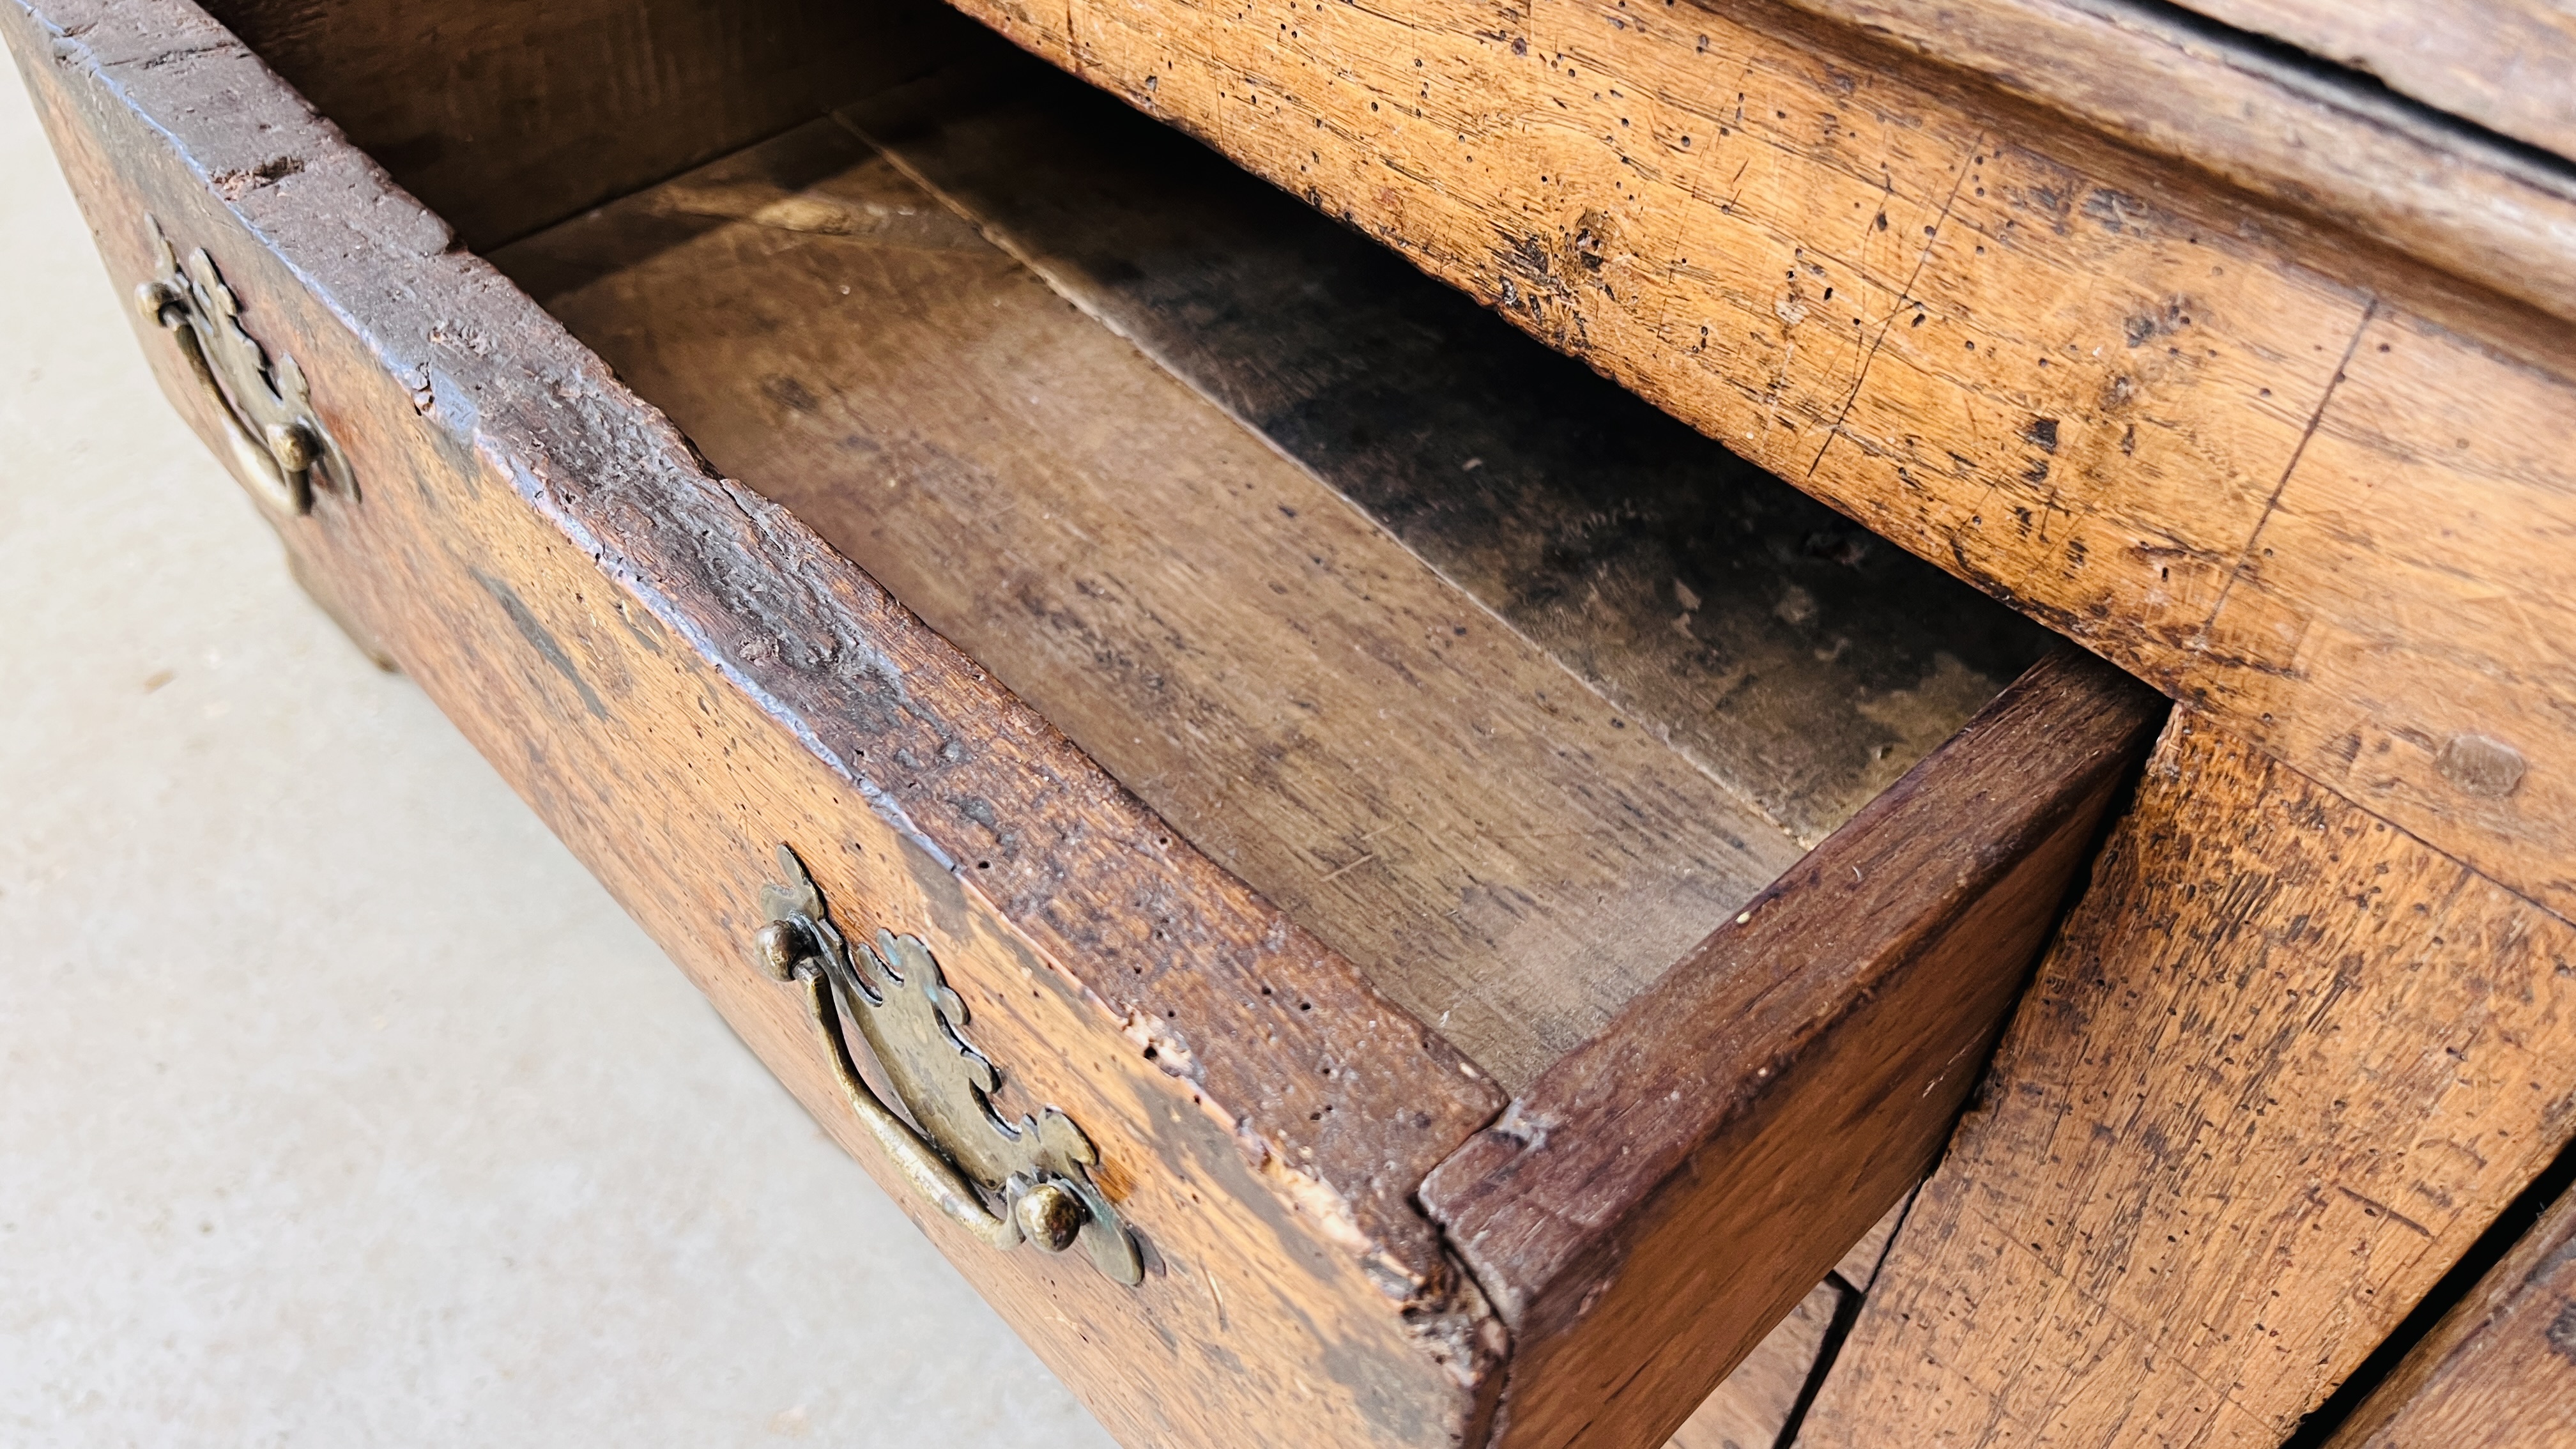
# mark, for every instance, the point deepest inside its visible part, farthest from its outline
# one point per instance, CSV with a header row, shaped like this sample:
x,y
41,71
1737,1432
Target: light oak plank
x,y
2500,63
2499,1370
2282,1067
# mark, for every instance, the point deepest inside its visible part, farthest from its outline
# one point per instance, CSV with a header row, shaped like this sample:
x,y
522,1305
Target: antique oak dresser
x,y
1391,706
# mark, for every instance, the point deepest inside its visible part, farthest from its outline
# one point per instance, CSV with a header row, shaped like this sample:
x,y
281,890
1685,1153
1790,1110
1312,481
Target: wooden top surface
x,y
2299,130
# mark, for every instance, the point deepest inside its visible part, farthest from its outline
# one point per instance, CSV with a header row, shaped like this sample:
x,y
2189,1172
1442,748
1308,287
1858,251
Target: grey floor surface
x,y
338,1105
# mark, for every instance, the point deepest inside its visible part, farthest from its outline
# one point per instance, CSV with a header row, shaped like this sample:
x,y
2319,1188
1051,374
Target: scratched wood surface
x,y
2503,64
1806,1063
2282,1067
1280,679
678,676
727,295
1796,657
1041,493
2307,137
2499,1370
2084,380
2382,692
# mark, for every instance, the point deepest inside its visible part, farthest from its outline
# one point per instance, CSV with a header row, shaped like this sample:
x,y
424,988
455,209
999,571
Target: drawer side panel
x,y
1666,1193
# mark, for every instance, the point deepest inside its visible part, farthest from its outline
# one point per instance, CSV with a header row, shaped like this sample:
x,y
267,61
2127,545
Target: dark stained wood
x,y
1753,1405
2499,1370
1859,1267
1757,1405
1664,1194
677,675
1796,657
503,118
2503,64
2281,1069
2075,375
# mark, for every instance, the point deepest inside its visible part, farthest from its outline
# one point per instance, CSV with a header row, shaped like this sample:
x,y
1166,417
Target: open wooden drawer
x,y
1465,899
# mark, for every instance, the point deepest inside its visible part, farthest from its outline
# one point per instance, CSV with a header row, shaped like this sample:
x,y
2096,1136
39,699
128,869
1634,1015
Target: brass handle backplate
x,y
279,447
1003,1181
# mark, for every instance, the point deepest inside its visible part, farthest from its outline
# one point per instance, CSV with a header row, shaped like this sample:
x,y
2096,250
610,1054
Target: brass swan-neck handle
x,y
1005,1182
277,445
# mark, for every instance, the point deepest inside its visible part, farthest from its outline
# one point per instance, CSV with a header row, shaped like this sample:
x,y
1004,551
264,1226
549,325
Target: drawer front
x,y
680,679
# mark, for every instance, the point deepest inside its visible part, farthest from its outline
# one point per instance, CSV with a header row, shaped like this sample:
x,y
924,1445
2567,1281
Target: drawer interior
x,y
1497,679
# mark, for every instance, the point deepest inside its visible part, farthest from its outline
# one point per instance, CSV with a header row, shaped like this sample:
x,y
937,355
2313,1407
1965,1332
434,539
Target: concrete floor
x,y
338,1105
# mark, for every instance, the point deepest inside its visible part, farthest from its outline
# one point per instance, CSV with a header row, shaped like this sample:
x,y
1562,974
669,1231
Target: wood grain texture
x,y
1859,1267
1753,1405
2077,378
2282,1067
678,676
1756,1404
2416,567
2499,1370
1639,1239
1799,659
1086,527
1279,678
2283,129
2501,63
503,118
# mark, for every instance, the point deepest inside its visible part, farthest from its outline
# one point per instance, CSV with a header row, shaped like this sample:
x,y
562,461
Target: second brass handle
x,y
1045,1213
266,407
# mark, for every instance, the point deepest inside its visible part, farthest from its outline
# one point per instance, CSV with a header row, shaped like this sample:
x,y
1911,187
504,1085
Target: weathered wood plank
x,y
2501,63
2282,128
504,118
1803,662
2417,570
1277,676
2073,377
2499,1370
678,676
2283,1065
1806,1062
